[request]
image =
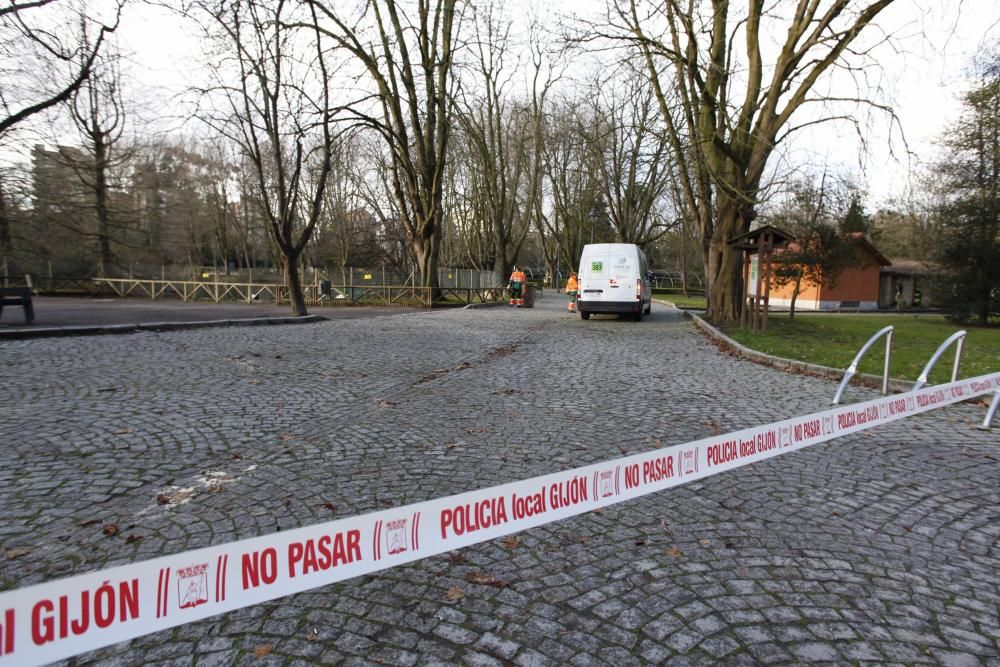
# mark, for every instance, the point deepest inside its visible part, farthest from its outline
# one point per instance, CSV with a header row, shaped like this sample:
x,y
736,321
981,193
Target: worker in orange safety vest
x,y
516,285
572,289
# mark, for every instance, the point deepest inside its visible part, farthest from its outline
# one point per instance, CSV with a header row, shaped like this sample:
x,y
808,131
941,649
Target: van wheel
x,y
584,316
649,308
638,316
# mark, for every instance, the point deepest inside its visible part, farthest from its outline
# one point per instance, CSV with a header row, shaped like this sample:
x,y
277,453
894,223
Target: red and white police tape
x,y
66,617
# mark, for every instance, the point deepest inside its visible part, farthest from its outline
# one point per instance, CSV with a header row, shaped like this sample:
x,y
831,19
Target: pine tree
x,y
969,210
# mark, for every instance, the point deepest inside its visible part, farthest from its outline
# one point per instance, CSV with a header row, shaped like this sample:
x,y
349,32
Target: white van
x,y
614,278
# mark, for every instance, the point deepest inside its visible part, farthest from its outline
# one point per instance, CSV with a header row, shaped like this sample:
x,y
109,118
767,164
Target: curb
x,y
111,329
493,304
792,365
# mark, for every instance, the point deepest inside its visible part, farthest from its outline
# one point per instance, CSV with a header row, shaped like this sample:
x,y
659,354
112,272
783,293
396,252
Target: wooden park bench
x,y
18,296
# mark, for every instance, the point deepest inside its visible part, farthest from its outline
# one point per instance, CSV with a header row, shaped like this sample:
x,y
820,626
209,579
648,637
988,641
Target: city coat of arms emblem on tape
x,y
396,539
607,483
689,461
192,586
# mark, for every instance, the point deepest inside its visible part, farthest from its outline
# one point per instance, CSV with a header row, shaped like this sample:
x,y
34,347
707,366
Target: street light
x,y
593,215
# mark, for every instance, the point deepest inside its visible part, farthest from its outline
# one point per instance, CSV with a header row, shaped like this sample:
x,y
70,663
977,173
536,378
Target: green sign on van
x,y
596,267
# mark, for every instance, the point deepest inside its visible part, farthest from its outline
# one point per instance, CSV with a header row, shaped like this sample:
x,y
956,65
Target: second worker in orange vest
x,y
572,289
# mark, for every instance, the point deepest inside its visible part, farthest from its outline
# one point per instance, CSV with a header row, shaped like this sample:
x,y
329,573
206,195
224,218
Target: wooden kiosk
x,y
761,242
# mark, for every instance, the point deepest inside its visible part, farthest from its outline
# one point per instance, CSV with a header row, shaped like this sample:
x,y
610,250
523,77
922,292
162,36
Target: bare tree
x,y
471,233
819,253
546,71
630,152
574,185
497,132
409,58
277,107
99,116
41,67
727,109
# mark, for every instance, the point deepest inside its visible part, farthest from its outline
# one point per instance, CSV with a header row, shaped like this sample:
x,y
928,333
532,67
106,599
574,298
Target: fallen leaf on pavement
x,y
262,651
485,579
330,506
17,552
89,522
456,558
133,538
110,530
511,542
454,594
674,552
122,431
384,403
705,543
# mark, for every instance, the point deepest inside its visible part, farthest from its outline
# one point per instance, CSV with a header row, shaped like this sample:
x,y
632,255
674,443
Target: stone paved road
x,y
61,311
879,547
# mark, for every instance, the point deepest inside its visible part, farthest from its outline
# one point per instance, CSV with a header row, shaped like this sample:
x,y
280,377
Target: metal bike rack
x,y
957,336
853,368
994,404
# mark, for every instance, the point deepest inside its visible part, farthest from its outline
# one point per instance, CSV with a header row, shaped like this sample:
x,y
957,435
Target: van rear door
x,y
595,272
609,273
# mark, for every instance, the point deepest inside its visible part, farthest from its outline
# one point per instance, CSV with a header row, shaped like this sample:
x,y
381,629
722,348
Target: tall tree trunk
x,y
295,285
6,239
795,295
426,251
101,203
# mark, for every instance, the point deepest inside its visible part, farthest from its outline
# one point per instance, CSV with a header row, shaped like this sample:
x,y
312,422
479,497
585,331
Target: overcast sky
x,y
937,40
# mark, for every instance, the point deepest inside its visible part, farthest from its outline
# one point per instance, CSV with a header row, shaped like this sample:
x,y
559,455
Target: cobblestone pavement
x,y
880,547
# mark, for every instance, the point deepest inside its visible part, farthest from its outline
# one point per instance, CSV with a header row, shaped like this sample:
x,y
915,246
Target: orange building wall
x,y
854,284
808,291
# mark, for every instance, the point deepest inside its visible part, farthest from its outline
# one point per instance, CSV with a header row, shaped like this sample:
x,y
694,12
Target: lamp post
x,y
593,215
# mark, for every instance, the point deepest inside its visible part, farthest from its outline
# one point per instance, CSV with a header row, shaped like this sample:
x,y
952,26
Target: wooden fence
x,y
315,294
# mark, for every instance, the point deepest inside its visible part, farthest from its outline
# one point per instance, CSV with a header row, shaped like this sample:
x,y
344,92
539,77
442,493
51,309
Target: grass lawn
x,y
680,300
833,340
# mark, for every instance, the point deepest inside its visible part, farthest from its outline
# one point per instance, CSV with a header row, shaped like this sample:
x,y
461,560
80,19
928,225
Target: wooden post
x,y
767,241
756,292
745,310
